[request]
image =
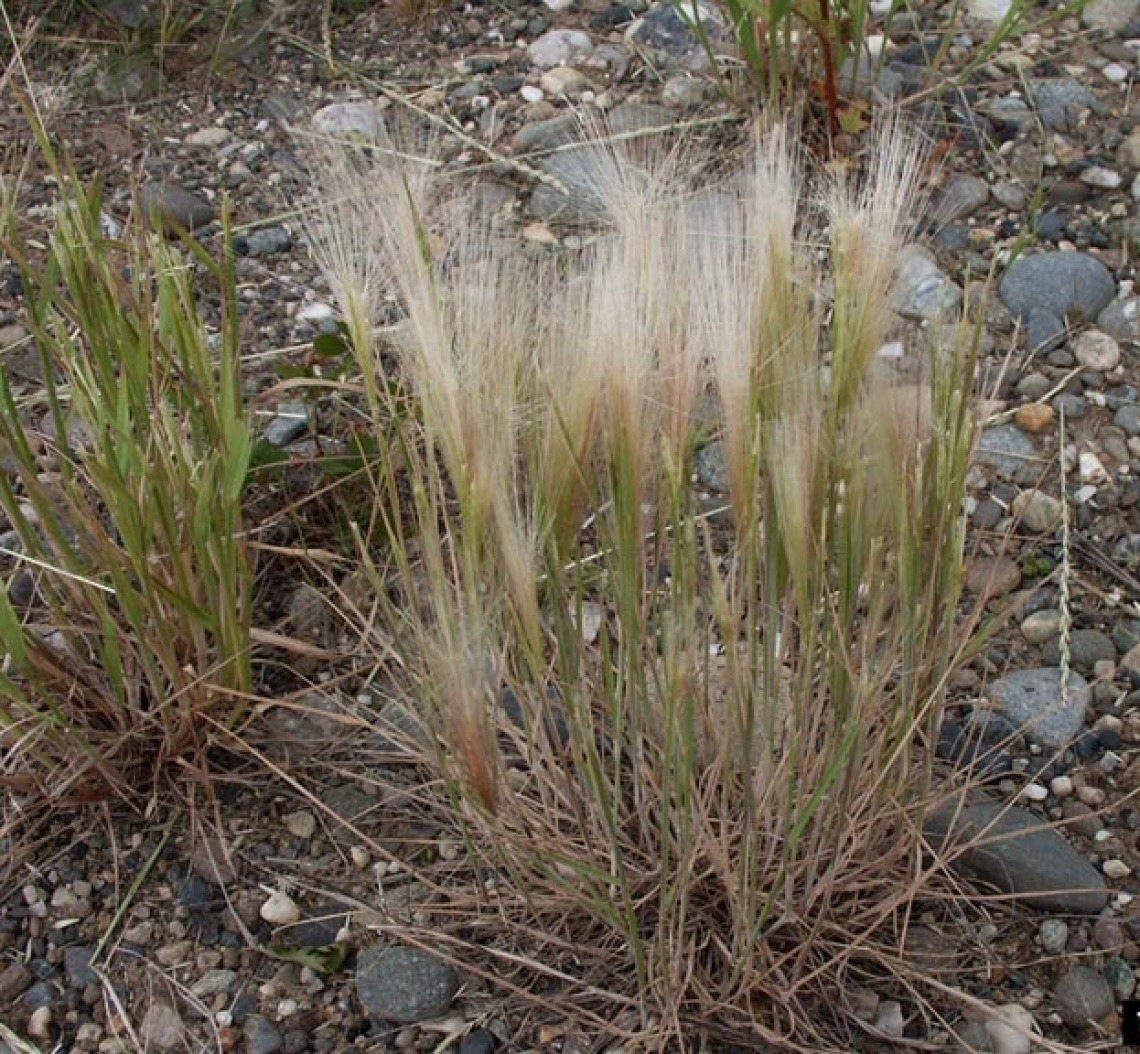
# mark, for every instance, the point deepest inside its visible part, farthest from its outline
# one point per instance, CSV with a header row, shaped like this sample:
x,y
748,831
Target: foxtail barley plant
x,y
713,800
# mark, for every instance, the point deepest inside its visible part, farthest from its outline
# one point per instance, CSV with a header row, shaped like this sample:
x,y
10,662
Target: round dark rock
x,y
77,965
262,1036
167,207
1083,996
479,1041
404,985
1087,647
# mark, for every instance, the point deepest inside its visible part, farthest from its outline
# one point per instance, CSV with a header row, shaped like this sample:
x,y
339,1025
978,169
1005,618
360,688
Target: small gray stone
x,y
1039,512
1083,996
1007,450
922,291
563,80
214,982
1060,102
1041,626
1097,351
161,1027
673,40
710,467
973,1036
1112,15
1121,319
351,120
1127,418
77,964
540,136
1018,855
1051,290
268,241
404,985
1120,977
1010,195
961,195
1087,647
354,807
262,1036
168,207
1034,386
560,47
684,92
1033,701
209,138
1054,934
289,422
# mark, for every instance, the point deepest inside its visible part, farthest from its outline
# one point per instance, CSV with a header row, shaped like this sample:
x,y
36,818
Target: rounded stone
x,y
1054,934
404,985
1083,996
1097,351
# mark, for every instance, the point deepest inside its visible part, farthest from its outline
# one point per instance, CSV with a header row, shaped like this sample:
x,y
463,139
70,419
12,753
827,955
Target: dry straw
x,y
713,802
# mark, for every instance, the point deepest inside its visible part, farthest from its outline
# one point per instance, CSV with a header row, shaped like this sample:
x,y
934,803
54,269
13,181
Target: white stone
x,y
1034,792
560,47
1115,869
280,909
351,120
1097,351
315,312
531,93
1116,73
559,5
988,10
1104,178
889,1019
1010,1029
1061,786
562,80
301,824
209,138
1091,468
1091,796
39,1024
1041,626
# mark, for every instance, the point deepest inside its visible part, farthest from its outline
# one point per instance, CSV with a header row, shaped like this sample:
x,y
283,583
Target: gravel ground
x,y
1042,157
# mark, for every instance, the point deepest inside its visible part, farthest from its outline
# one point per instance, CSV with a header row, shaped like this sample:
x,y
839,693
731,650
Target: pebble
x,y
209,138
351,120
1091,469
214,982
1048,289
922,290
992,576
1116,869
39,1023
1035,418
1061,786
1007,450
1096,350
1128,152
1020,856
1010,1028
1041,626
1110,15
1054,934
1083,996
1039,512
1087,647
563,81
170,208
262,1036
300,824
404,985
1101,177
280,909
961,195
162,1027
478,1041
1120,977
560,47
268,241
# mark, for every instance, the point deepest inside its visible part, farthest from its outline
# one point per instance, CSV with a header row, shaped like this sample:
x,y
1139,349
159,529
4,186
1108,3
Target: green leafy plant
x,y
125,624
693,749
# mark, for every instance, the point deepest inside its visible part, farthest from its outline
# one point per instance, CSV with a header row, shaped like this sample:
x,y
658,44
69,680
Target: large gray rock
x,y
1019,856
171,208
1032,699
1061,101
1008,451
404,985
1082,996
1053,290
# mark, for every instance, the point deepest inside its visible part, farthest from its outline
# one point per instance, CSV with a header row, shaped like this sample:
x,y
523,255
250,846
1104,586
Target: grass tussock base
x,y
689,743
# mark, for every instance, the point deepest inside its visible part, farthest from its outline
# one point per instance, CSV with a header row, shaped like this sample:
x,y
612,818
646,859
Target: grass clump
x,y
688,741
126,626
